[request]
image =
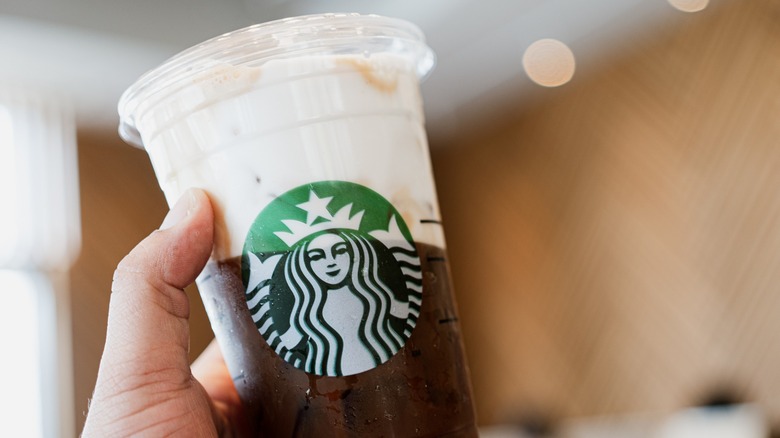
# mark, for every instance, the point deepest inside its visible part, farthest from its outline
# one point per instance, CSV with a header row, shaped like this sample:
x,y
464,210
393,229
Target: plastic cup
x,y
328,289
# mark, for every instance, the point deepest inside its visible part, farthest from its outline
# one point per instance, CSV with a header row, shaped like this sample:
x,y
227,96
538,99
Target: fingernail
x,y
183,208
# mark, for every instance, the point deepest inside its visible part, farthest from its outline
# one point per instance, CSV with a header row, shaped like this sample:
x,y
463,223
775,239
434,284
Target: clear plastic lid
x,y
310,35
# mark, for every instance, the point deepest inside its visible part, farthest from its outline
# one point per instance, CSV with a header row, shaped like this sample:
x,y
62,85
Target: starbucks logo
x,y
332,278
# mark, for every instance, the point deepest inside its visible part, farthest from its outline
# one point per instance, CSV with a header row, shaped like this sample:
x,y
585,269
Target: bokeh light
x,y
689,5
549,62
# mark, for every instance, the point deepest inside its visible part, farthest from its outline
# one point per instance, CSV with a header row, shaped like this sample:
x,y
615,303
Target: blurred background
x,y
607,171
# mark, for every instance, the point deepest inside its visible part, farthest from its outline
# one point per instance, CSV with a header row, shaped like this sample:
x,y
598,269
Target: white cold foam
x,y
246,135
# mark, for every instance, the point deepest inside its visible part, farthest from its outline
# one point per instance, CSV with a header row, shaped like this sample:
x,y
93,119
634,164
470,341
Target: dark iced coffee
x,y
423,390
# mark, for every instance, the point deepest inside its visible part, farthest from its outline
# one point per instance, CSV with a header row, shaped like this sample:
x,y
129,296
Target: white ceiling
x,y
89,51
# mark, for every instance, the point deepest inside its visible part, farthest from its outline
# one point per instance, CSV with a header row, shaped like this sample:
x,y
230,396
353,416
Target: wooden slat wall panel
x,y
617,248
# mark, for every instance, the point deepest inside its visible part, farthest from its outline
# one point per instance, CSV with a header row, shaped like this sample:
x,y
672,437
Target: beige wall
x,y
617,248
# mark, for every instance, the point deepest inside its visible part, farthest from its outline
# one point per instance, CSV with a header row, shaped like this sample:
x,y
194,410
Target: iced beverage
x,y
328,289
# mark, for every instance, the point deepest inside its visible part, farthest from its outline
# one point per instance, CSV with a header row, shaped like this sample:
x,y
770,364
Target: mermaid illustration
x,y
340,300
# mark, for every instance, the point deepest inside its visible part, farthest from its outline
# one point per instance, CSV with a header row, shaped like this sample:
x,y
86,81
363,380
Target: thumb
x,y
148,313
147,342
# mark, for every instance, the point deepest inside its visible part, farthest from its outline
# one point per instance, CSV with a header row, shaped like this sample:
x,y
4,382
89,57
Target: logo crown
x,y
316,207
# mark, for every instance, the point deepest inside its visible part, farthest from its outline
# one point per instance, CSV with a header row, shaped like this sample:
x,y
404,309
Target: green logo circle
x,y
332,277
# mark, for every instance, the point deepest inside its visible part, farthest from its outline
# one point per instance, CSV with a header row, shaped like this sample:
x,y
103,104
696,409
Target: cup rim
x,y
306,35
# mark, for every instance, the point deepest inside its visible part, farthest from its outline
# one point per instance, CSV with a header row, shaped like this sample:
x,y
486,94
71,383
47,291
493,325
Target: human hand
x,y
145,385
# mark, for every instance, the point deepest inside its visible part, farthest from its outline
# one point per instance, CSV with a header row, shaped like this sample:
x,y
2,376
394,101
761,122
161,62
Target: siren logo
x,y
332,278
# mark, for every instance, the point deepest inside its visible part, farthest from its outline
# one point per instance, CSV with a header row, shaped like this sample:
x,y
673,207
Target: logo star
x,y
316,207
